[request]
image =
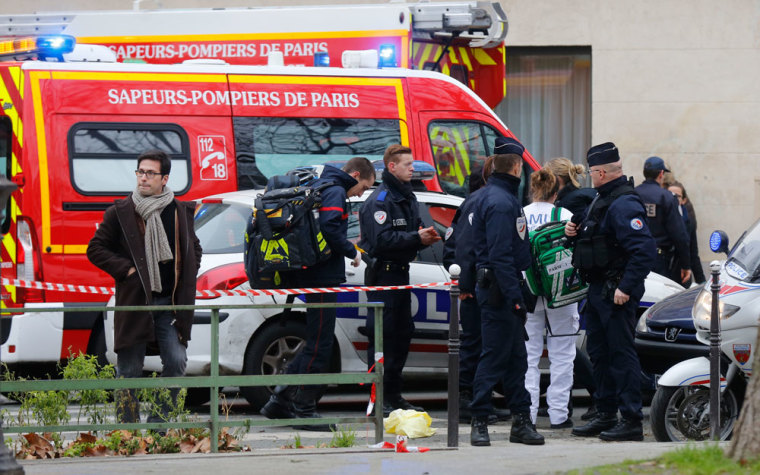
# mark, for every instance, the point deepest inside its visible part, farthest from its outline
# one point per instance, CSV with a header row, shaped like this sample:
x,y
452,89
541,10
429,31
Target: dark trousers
x,y
470,342
398,327
617,372
130,360
503,358
663,265
320,333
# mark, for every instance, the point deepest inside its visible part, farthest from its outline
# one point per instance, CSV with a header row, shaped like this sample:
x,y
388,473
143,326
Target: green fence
x,y
213,381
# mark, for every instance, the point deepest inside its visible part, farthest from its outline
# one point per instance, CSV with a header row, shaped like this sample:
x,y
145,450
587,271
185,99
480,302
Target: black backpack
x,y
283,232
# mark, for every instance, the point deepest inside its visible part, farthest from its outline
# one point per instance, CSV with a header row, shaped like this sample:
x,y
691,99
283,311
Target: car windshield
x,y
221,227
744,260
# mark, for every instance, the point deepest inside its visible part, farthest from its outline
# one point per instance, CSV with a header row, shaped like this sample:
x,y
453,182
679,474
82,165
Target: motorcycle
x,y
680,409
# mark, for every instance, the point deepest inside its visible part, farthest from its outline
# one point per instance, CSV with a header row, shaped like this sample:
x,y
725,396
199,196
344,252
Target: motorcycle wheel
x,y
683,413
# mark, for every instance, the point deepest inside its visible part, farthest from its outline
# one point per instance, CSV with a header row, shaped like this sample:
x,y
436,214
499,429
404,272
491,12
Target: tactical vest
x,y
599,256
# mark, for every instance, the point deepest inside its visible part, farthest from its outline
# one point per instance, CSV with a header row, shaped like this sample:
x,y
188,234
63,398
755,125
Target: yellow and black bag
x,y
284,235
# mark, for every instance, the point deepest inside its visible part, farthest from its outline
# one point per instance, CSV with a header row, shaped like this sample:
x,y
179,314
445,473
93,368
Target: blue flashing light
x,y
386,56
322,59
55,45
716,240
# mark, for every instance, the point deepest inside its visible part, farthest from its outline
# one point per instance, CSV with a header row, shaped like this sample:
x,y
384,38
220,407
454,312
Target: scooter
x,y
680,409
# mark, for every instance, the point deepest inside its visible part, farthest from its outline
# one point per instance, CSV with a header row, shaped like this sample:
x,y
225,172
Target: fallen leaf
x,y
87,437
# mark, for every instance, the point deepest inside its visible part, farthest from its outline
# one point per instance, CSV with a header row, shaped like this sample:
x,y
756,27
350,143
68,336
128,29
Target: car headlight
x,y
703,307
641,327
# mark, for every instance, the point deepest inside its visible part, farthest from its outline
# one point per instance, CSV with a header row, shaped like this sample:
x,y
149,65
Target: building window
x,y
548,103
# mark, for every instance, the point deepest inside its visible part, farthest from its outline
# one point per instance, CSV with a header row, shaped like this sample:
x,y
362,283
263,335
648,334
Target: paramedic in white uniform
x,y
562,321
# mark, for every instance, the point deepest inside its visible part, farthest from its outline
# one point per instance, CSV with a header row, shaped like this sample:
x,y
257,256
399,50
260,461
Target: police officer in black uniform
x,y
665,223
392,233
614,252
502,252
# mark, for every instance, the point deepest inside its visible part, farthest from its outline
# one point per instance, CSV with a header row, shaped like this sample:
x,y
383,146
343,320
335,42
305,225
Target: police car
x,y
256,342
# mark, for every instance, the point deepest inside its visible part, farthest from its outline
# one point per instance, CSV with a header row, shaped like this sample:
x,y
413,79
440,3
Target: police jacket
x,y
625,226
665,222
500,234
389,221
574,199
458,246
333,222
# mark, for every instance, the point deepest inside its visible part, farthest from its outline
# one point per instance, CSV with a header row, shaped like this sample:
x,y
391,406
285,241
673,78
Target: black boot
x,y
479,432
305,407
603,421
499,415
280,404
399,402
590,414
523,431
465,398
626,429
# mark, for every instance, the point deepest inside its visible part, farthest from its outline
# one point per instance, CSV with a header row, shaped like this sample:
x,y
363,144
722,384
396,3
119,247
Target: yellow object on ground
x,y
413,424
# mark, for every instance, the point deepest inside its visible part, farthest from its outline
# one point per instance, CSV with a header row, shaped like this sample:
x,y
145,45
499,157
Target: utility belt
x,y
391,266
665,251
376,266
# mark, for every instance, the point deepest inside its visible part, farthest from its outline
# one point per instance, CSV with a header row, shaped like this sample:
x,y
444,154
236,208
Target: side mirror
x,y
719,242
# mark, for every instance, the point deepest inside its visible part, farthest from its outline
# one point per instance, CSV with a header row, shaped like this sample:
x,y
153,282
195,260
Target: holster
x,y
370,272
487,280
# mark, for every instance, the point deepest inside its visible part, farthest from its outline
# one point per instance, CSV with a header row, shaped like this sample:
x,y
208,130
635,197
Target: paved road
x,y
562,451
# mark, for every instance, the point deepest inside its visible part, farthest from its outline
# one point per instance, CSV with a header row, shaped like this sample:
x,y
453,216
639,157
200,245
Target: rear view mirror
x,y
719,242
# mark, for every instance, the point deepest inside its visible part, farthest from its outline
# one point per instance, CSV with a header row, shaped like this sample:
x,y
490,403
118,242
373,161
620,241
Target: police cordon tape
x,y
89,289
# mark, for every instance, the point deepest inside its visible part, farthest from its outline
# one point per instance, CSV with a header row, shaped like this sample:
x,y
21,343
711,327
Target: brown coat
x,y
118,244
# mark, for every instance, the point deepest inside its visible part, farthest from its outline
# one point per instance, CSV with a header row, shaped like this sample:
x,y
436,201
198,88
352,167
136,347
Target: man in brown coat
x,y
147,243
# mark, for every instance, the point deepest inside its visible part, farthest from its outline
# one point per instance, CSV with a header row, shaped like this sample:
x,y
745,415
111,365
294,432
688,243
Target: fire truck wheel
x,y
269,353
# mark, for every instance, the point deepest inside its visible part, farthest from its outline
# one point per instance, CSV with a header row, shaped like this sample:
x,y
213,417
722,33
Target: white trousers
x,y
561,349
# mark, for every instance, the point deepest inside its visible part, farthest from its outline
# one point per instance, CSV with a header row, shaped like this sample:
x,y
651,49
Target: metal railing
x,y
213,381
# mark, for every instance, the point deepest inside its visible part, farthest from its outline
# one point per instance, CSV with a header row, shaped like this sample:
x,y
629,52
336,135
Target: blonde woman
x,y
562,322
570,195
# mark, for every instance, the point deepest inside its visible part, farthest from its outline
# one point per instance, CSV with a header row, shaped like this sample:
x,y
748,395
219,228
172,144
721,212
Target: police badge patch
x,y
449,232
636,224
521,225
742,352
380,217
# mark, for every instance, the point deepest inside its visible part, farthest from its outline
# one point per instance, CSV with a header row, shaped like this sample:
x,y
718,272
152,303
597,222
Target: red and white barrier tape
x,y
89,289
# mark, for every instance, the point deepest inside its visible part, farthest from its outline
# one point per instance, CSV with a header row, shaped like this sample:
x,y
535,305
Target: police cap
x,y
602,154
655,164
506,145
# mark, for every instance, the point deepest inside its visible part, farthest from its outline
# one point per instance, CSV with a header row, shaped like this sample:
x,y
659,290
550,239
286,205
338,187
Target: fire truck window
x,y
268,146
6,137
459,147
115,147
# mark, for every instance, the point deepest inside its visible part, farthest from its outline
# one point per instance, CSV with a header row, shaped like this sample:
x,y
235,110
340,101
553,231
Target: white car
x,y
265,341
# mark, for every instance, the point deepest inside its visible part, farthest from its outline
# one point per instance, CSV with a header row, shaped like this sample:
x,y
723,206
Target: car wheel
x,y
683,413
269,353
197,397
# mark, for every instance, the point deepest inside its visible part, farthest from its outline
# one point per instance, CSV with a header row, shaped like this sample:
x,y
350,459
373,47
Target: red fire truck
x,y
70,133
464,40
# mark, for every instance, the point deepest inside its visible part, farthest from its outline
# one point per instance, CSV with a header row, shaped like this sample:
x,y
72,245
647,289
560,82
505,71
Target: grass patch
x,y
692,459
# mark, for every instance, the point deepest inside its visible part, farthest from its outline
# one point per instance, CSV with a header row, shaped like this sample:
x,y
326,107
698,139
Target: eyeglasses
x,y
148,173
597,170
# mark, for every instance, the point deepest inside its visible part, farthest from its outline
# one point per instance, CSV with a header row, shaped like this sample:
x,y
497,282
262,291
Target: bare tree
x,y
745,443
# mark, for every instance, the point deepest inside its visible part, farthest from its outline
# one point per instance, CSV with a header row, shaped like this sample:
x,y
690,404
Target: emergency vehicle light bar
x,y
47,46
